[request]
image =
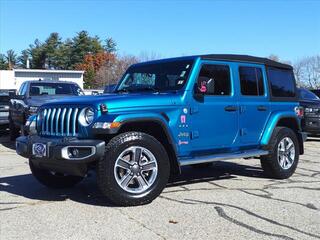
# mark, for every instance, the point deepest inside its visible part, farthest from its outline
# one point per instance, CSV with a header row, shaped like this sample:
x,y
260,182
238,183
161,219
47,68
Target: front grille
x,y
314,113
58,121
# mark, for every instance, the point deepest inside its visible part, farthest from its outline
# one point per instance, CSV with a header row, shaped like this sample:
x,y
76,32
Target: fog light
x,y
77,152
73,152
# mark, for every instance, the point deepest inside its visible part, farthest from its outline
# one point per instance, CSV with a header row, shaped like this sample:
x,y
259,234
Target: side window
x,y
214,80
251,81
282,82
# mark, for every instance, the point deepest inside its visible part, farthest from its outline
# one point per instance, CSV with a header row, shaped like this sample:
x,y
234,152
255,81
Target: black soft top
x,y
246,58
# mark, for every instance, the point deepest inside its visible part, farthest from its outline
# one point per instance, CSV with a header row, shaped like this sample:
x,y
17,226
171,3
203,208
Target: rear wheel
x,y
134,170
53,179
283,159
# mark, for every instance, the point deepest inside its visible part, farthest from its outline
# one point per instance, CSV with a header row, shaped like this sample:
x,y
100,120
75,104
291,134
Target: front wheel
x,y
134,170
53,179
283,159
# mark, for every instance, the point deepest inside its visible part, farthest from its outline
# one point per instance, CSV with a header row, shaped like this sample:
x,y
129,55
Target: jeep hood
x,y
310,103
117,101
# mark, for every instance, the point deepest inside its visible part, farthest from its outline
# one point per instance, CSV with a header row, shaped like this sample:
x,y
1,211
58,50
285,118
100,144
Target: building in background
x,y
12,79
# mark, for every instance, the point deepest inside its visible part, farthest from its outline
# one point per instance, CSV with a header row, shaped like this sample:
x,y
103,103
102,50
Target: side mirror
x,y
199,92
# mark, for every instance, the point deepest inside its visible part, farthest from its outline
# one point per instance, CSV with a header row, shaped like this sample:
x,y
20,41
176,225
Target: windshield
x,y
166,76
306,94
39,89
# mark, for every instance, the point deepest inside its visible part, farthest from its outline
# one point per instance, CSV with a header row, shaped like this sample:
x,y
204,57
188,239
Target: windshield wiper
x,y
123,90
137,89
154,89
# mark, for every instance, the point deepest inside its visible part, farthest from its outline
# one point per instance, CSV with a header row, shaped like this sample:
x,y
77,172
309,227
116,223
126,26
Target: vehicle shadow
x,y
217,171
5,140
87,192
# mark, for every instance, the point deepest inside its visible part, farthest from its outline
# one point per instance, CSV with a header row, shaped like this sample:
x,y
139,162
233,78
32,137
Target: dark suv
x,y
311,104
33,94
166,114
4,108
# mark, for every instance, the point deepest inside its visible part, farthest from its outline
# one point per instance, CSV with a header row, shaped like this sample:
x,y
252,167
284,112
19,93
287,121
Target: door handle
x,y
262,108
230,108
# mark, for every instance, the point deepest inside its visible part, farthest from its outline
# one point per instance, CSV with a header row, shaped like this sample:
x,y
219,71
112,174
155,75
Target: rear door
x,y
254,103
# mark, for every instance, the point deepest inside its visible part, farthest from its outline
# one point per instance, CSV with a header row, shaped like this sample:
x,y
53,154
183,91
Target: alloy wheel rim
x,y
286,153
135,169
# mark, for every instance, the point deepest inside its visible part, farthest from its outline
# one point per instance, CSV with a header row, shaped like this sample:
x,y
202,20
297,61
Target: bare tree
x,y
111,71
148,56
307,72
274,57
298,71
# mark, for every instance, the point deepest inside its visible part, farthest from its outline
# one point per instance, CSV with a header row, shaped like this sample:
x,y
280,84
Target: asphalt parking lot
x,y
230,200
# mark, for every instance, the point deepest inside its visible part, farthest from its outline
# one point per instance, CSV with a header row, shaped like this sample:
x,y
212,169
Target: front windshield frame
x,y
180,80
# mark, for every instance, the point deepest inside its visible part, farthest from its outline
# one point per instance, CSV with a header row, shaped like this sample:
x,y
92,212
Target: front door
x,y
214,116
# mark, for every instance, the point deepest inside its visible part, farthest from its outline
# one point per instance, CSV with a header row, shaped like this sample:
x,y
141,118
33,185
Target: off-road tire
x,y
105,169
270,163
53,180
13,131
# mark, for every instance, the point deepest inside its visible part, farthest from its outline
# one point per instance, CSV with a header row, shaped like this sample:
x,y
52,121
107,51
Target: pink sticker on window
x,y
203,89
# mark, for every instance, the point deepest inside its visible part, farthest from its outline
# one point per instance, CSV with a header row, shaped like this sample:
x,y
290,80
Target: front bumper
x,y
57,158
4,120
311,125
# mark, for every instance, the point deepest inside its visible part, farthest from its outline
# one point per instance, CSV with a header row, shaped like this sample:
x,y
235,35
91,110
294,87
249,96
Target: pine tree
x,y
3,62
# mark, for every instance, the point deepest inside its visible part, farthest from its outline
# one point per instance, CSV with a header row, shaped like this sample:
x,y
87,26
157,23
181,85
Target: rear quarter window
x,y
282,83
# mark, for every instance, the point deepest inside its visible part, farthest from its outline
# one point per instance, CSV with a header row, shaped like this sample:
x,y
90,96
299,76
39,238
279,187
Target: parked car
x,y
31,95
311,104
166,114
316,92
4,108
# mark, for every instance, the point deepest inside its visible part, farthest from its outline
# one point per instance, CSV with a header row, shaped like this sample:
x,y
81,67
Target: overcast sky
x,y
290,29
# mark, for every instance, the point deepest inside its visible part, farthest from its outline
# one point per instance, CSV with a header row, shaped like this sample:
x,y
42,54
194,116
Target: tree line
x,y
103,65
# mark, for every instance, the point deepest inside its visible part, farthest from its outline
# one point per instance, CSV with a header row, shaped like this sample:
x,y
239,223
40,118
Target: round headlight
x,y
89,115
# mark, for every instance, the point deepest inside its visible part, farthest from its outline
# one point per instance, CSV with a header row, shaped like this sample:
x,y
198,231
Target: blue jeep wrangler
x,y
166,114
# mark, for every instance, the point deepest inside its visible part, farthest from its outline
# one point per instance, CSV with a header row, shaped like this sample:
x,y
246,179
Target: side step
x,y
222,156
